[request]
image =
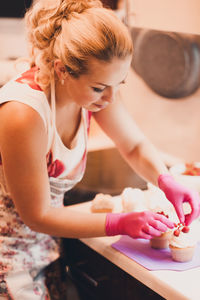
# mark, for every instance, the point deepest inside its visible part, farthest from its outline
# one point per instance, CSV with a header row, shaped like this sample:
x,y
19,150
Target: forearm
x,y
65,222
146,161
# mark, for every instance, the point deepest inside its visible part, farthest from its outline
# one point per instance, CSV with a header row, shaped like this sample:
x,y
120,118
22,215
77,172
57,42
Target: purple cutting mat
x,y
152,259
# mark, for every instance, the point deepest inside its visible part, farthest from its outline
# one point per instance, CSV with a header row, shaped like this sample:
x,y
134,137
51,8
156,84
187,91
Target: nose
x,y
109,94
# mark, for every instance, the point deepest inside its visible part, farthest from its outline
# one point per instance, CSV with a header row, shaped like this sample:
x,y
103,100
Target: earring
x,y
62,81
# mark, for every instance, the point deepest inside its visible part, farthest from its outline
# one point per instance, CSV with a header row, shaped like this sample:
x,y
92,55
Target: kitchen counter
x,y
173,285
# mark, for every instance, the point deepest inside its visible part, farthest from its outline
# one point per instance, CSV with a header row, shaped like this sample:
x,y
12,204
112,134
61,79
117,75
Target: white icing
x,y
183,240
102,201
157,200
133,199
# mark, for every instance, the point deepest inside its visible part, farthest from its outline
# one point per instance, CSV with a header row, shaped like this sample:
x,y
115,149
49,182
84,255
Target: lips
x,y
101,106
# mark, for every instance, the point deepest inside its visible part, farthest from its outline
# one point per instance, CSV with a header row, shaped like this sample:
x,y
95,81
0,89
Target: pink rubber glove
x,y
143,225
177,195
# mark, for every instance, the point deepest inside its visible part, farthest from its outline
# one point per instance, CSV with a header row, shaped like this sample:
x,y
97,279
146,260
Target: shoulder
x,y
20,122
15,113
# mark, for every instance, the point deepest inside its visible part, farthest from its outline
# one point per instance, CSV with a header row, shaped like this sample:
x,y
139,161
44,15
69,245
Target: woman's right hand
x,y
143,225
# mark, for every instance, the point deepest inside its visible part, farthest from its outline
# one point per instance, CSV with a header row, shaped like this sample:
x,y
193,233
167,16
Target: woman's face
x,y
95,90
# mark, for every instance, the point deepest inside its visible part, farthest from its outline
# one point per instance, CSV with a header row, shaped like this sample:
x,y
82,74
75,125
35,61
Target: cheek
x,y
90,96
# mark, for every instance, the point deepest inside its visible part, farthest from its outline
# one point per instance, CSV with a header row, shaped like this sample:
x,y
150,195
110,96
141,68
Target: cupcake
x,y
182,244
102,203
162,241
133,199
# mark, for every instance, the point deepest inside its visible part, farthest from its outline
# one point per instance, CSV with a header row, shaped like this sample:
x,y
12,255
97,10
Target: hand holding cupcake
x,y
162,241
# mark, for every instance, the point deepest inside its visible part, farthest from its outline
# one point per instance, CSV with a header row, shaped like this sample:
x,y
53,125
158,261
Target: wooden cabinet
x,y
96,278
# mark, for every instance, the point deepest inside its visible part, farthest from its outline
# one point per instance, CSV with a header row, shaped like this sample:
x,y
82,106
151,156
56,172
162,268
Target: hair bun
x,y
74,6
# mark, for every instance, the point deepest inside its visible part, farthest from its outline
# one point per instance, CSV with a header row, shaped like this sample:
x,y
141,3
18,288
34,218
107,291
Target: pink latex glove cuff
x,y
177,195
144,224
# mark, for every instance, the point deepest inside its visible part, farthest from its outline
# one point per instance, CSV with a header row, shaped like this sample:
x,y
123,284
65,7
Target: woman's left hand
x,y
177,195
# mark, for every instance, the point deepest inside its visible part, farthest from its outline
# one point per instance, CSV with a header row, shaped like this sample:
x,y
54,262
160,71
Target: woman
x,y
80,54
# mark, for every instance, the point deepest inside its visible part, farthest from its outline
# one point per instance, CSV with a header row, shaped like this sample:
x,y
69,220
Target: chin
x,y
93,108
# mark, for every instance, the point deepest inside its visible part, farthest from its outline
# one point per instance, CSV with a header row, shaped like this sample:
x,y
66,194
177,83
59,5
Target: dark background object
x,y
110,3
168,62
14,8
17,8
96,278
108,173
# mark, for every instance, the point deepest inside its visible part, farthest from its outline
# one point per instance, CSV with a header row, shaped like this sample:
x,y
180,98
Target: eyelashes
x,y
98,90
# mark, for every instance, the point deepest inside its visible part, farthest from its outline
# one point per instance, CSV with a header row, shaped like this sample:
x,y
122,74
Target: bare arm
x,y
23,146
136,149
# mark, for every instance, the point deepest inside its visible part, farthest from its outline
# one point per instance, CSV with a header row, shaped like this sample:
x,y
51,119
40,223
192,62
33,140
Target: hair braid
x,y
73,31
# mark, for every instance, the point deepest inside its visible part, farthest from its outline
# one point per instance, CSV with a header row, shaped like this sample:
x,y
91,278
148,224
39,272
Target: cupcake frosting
x,y
183,240
102,201
133,199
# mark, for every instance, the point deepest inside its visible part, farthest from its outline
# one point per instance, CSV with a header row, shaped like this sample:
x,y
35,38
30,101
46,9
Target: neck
x,y
62,97
63,101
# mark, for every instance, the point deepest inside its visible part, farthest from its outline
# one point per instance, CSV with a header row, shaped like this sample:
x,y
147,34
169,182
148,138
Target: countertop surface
x,y
173,285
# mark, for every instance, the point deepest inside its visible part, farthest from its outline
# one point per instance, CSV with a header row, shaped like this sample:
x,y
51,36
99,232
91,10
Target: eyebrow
x,y
123,81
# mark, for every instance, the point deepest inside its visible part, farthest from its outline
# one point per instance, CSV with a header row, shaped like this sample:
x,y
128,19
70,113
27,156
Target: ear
x,y
60,69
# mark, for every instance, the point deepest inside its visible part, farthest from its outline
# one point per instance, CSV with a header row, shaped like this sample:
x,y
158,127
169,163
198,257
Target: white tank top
x,y
65,166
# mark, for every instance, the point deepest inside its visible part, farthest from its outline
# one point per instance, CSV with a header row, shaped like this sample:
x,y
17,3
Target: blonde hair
x,y
74,32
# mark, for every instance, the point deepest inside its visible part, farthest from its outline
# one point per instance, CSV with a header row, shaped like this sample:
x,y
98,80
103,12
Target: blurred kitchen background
x,y
162,90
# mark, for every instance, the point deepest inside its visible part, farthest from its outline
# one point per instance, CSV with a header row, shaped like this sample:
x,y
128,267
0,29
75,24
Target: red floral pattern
x,y
20,247
28,77
56,167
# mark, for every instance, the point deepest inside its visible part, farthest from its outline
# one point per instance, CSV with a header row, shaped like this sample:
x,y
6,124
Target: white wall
x,y
171,15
